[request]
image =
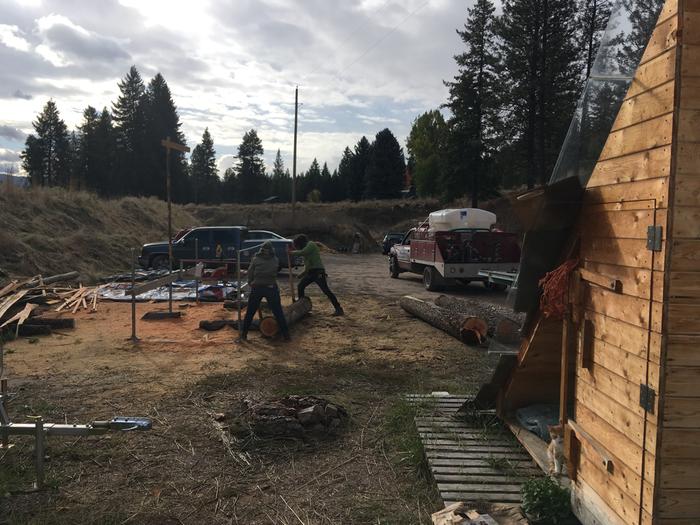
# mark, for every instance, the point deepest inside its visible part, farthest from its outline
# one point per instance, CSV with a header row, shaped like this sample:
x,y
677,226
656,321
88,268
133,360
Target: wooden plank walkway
x,y
476,461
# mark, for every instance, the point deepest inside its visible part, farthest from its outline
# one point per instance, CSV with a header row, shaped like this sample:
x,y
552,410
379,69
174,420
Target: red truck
x,y
447,255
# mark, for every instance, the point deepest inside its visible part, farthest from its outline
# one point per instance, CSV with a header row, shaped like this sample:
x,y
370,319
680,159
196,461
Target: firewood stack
x,y
34,306
292,416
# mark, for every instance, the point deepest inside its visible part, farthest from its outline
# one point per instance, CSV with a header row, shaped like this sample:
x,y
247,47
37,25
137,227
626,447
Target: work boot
x,y
339,312
286,337
243,338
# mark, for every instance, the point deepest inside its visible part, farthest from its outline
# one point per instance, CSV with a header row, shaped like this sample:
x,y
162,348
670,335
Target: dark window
x,y
225,237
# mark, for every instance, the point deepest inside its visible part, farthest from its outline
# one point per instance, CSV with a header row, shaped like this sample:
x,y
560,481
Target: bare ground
x,y
181,471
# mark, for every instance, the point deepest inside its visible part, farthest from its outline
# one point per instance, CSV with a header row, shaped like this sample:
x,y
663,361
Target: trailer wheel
x,y
393,268
431,278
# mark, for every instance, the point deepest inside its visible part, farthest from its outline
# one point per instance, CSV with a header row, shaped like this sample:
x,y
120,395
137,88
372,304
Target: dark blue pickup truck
x,y
214,243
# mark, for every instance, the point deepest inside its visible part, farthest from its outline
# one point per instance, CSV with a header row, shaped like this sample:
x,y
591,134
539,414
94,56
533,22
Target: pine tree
x,y
130,130
250,170
474,105
592,19
384,178
326,184
104,156
540,79
345,174
360,161
312,179
86,173
281,183
203,171
162,121
47,155
426,145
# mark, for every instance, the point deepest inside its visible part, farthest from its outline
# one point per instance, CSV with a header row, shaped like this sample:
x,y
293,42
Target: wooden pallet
x,y
470,462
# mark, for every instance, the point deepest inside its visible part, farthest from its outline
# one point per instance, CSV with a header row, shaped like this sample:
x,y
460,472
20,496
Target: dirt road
x,y
181,472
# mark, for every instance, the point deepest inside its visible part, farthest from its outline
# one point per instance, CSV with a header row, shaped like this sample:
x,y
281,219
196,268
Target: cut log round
x,y
446,320
476,325
292,313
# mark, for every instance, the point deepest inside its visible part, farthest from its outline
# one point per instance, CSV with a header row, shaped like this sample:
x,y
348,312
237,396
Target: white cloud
x,y
232,66
11,37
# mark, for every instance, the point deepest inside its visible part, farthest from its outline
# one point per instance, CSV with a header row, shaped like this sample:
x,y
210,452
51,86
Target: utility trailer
x,y
457,255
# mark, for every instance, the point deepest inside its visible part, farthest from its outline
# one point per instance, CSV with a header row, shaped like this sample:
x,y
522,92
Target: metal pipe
x,y
196,263
133,297
39,452
238,292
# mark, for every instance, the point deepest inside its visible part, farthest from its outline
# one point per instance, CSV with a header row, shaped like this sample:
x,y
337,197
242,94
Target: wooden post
x,y
291,276
168,145
170,226
294,161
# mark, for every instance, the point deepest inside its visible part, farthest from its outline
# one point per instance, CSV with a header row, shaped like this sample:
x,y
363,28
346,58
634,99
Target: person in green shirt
x,y
314,271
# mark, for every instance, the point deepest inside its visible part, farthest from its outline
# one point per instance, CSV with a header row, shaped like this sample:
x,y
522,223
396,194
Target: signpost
x,y
168,145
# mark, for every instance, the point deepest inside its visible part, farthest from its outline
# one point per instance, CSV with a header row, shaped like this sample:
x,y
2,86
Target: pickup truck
x,y
202,243
454,256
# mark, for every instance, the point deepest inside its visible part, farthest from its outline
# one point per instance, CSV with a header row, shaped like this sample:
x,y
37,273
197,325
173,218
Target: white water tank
x,y
453,219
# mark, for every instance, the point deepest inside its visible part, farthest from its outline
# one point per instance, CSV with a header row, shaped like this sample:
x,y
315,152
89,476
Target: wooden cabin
x,y
624,362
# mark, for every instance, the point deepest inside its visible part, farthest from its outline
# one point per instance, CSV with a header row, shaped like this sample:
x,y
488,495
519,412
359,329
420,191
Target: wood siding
x,y
627,193
678,469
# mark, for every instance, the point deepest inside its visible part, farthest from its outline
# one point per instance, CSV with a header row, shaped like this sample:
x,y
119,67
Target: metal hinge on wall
x,y
647,398
654,238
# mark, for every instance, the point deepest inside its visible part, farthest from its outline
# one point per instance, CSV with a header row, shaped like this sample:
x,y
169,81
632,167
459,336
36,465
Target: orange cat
x,y
555,450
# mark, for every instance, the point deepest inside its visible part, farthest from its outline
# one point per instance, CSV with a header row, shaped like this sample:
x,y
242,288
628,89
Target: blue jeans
x,y
272,295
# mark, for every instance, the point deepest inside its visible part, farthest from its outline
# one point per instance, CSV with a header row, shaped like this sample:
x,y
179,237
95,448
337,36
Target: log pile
x,y
25,304
291,416
469,321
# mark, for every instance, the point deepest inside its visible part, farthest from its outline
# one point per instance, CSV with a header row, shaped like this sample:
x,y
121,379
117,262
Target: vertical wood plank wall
x,y
627,193
678,470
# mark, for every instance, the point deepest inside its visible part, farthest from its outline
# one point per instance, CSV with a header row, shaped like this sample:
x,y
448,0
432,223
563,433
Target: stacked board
x,y
470,462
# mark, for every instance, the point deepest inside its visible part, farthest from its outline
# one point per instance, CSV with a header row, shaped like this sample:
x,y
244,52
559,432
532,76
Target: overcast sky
x,y
361,65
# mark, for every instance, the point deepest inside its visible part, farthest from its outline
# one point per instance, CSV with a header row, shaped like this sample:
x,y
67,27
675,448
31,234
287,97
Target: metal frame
x,y
41,429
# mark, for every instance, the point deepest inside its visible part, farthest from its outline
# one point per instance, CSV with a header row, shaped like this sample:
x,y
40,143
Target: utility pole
x,y
294,161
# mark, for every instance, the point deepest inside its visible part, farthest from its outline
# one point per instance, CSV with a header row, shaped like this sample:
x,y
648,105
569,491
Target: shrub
x,y
545,502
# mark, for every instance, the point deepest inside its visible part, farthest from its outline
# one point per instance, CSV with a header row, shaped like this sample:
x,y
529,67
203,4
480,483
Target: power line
x,y
383,37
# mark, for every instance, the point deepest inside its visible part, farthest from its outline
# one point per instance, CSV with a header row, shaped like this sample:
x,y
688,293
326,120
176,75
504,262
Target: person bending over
x,y
314,271
262,278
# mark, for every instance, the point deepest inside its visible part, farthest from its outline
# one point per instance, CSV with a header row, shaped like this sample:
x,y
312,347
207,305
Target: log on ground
x,y
502,322
292,313
53,322
29,330
465,328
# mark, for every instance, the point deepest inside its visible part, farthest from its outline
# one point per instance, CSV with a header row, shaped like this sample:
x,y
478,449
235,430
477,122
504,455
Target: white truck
x,y
454,246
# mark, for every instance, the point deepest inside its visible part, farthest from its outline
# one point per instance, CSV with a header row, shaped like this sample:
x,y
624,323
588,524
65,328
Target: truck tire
x,y
160,262
495,286
431,279
394,268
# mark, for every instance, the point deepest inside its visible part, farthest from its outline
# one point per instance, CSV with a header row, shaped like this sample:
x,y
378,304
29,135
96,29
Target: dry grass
x,y
181,472
54,230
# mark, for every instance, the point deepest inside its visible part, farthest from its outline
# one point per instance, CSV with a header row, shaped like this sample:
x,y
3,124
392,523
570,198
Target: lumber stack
x,y
24,303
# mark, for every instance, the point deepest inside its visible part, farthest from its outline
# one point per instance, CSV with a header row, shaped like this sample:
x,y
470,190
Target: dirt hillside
x,y
52,230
